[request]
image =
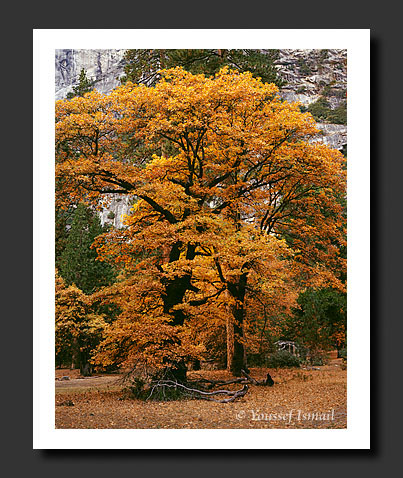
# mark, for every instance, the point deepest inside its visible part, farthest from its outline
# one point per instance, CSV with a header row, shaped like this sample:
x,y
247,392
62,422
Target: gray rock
x,y
333,135
116,207
103,66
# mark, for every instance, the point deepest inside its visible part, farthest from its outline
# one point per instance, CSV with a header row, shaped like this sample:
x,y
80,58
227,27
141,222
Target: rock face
x,y
103,66
119,206
333,135
310,75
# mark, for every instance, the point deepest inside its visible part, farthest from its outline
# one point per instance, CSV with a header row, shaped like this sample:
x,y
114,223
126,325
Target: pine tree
x,y
142,65
85,85
78,262
63,217
319,321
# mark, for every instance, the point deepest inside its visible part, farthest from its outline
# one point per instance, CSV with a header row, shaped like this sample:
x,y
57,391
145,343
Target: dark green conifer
x,y
142,65
77,263
85,85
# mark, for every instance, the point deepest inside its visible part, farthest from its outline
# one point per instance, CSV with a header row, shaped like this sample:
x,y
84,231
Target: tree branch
x,y
167,214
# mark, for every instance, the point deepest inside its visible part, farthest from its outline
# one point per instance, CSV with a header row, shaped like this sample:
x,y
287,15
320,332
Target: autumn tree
x,y
78,327
260,277
239,173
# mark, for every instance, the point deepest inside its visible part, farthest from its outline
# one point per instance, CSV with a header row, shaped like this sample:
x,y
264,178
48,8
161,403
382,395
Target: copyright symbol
x,y
240,414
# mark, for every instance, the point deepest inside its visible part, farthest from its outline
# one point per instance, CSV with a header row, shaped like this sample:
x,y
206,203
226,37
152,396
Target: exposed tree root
x,y
196,393
202,389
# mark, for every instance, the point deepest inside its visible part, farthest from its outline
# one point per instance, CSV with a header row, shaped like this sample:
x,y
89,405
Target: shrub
x,y
317,359
343,354
283,359
339,93
339,114
322,112
320,109
303,66
323,54
135,389
256,359
326,91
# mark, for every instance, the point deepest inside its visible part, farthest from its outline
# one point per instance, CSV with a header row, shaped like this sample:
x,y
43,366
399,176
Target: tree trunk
x,y
175,290
230,342
237,362
75,354
85,369
237,291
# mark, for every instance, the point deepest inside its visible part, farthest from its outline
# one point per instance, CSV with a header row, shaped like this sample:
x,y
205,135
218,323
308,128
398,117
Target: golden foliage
x,y
226,185
78,328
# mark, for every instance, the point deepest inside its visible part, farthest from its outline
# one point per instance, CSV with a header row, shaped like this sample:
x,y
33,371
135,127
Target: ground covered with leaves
x,y
300,398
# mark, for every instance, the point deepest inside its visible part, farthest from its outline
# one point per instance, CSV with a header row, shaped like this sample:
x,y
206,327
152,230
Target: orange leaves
x,y
214,128
225,183
76,324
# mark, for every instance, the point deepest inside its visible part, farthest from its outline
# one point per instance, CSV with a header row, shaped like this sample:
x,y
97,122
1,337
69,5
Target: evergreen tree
x,y
320,321
78,262
63,217
85,85
142,65
62,220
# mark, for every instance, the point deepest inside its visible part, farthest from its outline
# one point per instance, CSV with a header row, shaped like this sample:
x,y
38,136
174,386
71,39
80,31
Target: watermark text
x,y
286,417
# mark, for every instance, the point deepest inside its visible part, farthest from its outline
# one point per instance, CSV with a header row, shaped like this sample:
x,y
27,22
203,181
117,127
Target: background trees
x,y
85,85
80,321
142,66
78,328
77,263
76,226
320,321
232,200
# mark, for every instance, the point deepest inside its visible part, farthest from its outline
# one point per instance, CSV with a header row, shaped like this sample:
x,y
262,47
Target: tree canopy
x,y
233,203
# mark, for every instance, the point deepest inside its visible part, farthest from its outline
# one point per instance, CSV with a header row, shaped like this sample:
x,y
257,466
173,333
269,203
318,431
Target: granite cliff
x,y
103,66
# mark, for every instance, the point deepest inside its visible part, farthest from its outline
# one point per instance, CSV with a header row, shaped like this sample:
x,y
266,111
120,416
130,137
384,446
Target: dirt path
x,y
83,384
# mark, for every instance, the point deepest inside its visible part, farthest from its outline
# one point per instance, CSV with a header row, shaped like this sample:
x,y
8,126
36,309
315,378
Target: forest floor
x,y
300,398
